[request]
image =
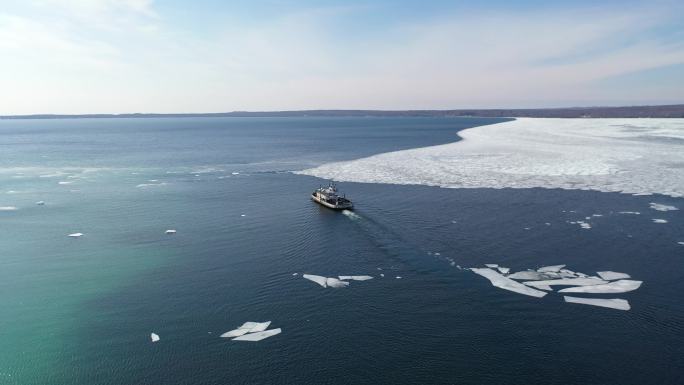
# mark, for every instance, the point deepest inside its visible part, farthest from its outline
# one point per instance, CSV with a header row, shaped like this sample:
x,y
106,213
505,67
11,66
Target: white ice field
x,y
636,156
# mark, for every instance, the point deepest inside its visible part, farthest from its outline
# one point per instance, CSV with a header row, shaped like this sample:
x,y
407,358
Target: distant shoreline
x,y
661,111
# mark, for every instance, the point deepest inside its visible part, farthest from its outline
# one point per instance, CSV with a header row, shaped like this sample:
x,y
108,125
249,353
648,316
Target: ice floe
x,y
491,265
65,182
170,231
7,208
258,336
614,303
503,270
662,207
335,283
146,185
612,275
596,154
355,277
550,269
505,283
557,275
316,278
75,235
629,212
40,203
657,220
681,243
154,337
567,282
621,286
251,331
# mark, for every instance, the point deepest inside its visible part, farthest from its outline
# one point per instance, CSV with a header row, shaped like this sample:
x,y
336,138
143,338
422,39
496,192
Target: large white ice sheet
x,y
621,286
621,155
505,283
613,303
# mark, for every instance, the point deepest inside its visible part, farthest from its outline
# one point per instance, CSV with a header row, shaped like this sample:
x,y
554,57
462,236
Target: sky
x,y
164,56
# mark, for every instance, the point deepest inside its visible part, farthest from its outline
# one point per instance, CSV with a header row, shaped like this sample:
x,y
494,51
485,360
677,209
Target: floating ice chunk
x,y
259,326
630,212
398,277
613,303
65,182
659,220
170,232
550,269
503,270
565,273
234,333
316,278
568,282
662,207
492,265
40,203
505,283
258,336
248,325
528,274
335,283
294,274
383,275
154,337
355,277
145,185
621,286
611,275
681,243
544,287
235,173
7,208
75,235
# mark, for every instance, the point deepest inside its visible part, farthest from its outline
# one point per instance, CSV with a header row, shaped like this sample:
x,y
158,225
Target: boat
x,y
328,197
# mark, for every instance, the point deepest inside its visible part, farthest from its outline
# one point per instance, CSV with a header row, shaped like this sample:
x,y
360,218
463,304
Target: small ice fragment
x,y
154,337
64,182
243,215
235,173
662,207
503,270
355,277
383,275
550,269
258,336
596,215
492,265
40,203
295,274
611,275
629,212
589,281
7,208
614,303
438,254
398,277
506,283
681,243
75,235
234,333
544,287
335,283
565,273
316,278
170,232
621,286
659,220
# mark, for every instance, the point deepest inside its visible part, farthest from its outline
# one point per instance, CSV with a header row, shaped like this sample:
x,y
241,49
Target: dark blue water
x,y
80,311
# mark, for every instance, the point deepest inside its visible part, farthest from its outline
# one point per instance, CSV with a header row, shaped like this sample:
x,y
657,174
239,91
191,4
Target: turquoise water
x,y
80,310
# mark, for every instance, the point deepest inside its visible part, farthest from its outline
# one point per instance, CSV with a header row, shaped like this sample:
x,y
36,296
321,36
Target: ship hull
x,y
347,206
